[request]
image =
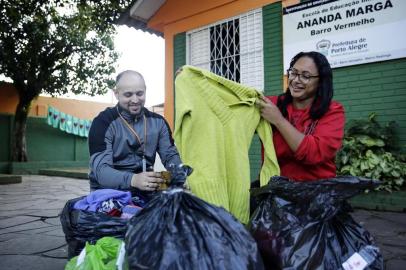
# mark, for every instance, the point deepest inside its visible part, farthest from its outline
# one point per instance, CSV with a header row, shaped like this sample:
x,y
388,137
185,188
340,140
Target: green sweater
x,y
215,121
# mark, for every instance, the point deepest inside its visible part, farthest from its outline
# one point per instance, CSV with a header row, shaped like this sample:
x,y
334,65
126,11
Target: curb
x,y
6,179
381,201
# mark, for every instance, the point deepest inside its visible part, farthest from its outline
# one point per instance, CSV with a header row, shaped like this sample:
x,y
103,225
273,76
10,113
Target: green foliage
x,y
56,47
369,150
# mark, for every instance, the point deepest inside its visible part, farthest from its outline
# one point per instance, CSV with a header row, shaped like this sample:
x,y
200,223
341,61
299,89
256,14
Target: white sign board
x,y
347,32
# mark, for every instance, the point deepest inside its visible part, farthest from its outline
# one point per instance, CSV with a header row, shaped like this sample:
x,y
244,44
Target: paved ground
x,y
389,231
28,241
31,236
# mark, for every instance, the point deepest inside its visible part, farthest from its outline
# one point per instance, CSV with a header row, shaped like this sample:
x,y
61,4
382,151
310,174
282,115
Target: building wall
x,y
377,87
5,137
39,107
273,69
179,59
193,15
273,49
46,146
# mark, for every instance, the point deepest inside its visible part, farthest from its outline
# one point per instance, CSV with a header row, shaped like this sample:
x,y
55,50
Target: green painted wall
x,y
273,48
377,87
5,124
273,70
179,51
179,59
45,145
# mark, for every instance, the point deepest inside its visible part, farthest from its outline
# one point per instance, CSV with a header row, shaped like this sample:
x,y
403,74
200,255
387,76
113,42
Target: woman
x,y
308,126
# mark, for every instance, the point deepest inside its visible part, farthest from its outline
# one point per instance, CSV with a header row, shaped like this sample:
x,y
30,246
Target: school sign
x,y
346,32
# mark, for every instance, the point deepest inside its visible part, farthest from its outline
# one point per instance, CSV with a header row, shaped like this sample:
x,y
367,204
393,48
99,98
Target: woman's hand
x,y
149,181
270,111
273,115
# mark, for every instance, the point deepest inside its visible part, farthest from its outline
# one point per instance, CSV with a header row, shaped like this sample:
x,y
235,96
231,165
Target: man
x,y
124,140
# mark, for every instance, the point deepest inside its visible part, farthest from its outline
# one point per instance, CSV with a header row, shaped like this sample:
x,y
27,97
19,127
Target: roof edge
x,y
137,22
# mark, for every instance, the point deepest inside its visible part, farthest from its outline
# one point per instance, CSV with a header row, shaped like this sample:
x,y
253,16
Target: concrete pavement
x,y
31,236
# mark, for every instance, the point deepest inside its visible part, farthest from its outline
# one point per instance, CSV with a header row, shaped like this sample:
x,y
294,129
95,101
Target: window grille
x,y
225,50
231,48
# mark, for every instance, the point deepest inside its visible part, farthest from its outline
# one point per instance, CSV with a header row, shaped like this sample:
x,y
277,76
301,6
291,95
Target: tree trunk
x,y
20,125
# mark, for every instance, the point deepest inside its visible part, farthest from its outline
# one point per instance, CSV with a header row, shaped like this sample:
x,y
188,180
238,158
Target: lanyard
x,y
144,162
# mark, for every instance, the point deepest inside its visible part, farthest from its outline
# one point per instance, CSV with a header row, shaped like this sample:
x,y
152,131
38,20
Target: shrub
x,y
370,150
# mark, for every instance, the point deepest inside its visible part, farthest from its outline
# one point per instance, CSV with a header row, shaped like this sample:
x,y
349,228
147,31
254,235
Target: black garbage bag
x,y
82,226
306,225
177,230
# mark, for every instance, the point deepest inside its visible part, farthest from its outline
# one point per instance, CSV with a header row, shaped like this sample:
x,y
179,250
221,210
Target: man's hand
x,y
148,181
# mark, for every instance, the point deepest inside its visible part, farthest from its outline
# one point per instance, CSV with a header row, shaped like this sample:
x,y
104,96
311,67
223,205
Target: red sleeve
x,y
274,99
326,139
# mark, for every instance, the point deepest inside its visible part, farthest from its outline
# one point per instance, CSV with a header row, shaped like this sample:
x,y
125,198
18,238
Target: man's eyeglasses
x,y
303,77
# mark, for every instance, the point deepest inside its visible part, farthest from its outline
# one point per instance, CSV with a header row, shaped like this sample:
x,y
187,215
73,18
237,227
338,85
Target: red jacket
x,y
315,157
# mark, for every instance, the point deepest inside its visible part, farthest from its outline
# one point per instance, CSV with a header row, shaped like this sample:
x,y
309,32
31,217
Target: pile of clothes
x,y
102,213
112,202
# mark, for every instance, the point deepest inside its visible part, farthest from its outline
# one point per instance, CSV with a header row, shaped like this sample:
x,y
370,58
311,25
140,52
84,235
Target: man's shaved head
x,y
128,74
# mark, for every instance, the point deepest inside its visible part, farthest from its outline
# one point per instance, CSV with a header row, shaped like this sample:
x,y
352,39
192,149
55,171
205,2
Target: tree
x,y
56,47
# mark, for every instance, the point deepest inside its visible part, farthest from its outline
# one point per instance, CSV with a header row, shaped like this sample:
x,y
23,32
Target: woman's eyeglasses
x,y
303,77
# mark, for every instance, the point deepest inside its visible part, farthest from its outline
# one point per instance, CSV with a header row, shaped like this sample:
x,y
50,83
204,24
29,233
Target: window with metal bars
x,y
225,50
231,48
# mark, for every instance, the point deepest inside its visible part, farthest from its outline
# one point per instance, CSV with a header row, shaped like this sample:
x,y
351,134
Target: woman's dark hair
x,y
324,92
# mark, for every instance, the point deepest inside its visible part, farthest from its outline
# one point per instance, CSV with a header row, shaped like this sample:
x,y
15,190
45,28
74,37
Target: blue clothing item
x,y
95,199
129,211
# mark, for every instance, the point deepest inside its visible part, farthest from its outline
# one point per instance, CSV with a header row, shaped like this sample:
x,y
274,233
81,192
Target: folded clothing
x,y
109,206
129,211
95,199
